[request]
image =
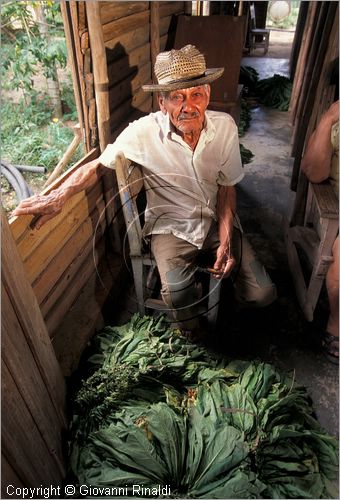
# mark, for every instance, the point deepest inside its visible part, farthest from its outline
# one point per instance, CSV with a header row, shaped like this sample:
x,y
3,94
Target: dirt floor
x,y
278,334
280,42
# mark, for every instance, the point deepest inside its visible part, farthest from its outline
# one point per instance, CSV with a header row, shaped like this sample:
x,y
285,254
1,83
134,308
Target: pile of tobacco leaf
x,y
156,410
274,91
244,123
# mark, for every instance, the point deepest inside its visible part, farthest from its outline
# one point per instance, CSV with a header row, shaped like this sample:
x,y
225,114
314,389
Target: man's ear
x,y
161,104
208,90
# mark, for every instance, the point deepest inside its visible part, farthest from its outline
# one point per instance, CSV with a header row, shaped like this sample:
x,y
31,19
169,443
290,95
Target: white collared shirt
x,y
181,184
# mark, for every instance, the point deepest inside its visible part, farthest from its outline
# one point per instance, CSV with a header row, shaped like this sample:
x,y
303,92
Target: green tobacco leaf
x,y
196,447
239,409
169,436
238,483
224,450
171,413
129,449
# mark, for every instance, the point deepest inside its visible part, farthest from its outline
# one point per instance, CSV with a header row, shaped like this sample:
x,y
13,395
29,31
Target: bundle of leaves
x,y
275,92
244,123
248,78
246,155
218,430
245,118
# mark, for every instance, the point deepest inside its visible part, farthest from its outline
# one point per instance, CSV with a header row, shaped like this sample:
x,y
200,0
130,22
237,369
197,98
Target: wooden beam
x,y
303,59
75,18
110,11
101,80
22,296
127,89
119,46
19,359
118,27
155,44
127,66
72,57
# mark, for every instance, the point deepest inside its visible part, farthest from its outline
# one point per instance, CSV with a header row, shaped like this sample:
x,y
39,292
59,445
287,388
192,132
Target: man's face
x,y
186,108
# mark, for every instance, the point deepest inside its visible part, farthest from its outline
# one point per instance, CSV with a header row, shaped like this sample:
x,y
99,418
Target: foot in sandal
x,y
330,347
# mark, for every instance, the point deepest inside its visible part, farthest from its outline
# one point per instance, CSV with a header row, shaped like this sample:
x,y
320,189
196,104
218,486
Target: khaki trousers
x,y
177,261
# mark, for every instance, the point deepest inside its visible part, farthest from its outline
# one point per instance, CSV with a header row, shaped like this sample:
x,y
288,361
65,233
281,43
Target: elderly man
x,y
191,162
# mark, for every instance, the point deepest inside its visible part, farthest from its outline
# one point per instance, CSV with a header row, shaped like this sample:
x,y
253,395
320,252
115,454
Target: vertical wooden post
x,y
33,388
155,43
302,60
101,86
15,281
69,10
101,80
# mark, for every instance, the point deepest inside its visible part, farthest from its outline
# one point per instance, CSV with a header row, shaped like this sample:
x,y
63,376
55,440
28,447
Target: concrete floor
x,y
279,333
283,337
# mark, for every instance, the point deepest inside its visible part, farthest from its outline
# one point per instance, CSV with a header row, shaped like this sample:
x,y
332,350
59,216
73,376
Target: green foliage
x,y
29,136
246,155
67,98
245,118
217,429
275,92
30,53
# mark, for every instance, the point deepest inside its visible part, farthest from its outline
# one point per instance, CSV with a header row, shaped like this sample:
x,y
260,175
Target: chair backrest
x,y
252,15
130,183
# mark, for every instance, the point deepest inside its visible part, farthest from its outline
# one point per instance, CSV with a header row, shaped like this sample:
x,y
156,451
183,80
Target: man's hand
x,y
224,264
47,206
332,114
44,207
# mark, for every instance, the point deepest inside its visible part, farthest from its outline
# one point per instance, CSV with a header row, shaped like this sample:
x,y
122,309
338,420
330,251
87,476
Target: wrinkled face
x,y
186,108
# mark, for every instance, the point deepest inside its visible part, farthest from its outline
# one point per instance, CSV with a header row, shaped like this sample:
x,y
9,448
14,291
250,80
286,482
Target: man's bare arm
x,y
48,206
226,207
316,161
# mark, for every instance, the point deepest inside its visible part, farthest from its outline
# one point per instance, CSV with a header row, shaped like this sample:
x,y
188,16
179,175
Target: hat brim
x,y
209,76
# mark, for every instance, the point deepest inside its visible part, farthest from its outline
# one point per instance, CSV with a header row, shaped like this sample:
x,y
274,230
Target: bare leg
x,y
331,338
332,284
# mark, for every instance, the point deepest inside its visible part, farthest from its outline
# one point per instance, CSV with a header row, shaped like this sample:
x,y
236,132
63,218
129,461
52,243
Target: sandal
x,y
330,347
193,336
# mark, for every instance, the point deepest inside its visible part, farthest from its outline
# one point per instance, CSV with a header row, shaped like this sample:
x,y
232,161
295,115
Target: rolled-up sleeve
x,y
231,170
128,143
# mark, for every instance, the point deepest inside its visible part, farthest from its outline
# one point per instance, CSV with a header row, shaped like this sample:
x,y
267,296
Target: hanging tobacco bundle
x,y
157,411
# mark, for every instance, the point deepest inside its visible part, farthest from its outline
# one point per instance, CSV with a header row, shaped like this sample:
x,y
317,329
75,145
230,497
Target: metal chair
x,y
310,245
130,184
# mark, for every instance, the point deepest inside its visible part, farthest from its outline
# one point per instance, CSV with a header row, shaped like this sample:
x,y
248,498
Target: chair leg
x,y
214,299
137,268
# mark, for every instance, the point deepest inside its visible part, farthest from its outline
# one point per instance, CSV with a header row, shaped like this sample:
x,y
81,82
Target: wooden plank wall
x,y
110,46
126,32
312,91
60,257
65,261
33,389
127,38
71,267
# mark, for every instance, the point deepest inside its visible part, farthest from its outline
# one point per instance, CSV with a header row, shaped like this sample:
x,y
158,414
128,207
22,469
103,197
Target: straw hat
x,y
181,69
